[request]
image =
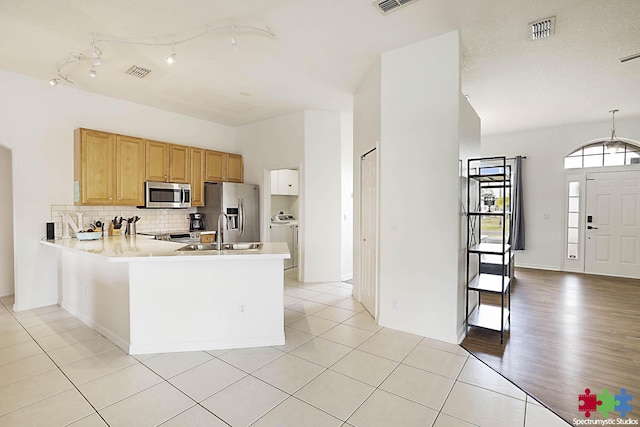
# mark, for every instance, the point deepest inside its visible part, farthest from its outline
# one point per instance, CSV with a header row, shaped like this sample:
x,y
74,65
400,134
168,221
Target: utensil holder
x,y
131,228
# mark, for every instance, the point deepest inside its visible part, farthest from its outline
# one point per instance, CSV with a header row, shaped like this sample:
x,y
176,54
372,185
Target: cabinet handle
x,y
110,198
119,198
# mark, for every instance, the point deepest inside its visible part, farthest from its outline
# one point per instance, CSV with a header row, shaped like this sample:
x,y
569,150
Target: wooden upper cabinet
x,y
167,162
197,176
214,166
234,168
179,164
94,167
130,167
111,169
157,161
223,167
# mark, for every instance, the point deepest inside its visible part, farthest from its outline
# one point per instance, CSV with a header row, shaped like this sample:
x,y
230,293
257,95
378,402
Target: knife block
x,y
115,231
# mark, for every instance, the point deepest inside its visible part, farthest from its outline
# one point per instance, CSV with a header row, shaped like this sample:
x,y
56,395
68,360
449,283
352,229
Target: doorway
x,y
369,231
283,210
612,218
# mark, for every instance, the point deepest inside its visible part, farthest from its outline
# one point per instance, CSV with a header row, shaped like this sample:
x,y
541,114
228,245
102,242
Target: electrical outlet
x,y
547,216
86,291
241,308
394,304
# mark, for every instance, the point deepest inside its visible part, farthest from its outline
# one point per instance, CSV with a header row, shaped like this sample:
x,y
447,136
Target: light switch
x,y
547,216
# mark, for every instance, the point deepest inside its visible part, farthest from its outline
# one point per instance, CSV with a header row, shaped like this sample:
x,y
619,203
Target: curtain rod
x,y
513,158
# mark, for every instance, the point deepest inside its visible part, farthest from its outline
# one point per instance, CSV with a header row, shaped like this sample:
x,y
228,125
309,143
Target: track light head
x,y
54,82
171,59
92,72
234,43
95,58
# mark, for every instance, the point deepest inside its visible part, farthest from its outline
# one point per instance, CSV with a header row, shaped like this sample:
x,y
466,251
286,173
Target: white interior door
x,y
613,224
369,232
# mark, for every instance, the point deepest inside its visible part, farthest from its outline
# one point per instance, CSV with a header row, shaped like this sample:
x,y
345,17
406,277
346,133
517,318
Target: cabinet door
x,y
157,161
94,164
234,168
130,167
179,162
214,166
274,183
288,182
197,177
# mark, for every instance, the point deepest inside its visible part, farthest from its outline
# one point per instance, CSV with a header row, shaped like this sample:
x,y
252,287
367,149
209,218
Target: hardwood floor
x,y
568,332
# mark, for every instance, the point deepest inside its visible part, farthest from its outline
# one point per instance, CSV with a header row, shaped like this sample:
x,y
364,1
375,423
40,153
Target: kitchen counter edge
x,y
147,249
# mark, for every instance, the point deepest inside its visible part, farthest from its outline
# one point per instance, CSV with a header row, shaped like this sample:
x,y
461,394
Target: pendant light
x,y
613,144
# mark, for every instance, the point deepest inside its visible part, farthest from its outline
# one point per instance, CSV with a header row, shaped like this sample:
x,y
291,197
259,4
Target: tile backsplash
x,y
163,220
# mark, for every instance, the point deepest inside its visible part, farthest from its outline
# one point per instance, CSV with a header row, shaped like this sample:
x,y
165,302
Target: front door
x,y
369,231
613,224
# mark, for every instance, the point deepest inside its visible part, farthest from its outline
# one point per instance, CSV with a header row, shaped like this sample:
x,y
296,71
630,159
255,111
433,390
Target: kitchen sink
x,y
203,247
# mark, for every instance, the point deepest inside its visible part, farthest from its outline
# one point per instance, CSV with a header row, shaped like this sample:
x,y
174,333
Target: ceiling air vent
x,y
136,71
542,28
386,6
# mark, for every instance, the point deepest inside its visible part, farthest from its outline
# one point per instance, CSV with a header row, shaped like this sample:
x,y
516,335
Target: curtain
x,y
517,208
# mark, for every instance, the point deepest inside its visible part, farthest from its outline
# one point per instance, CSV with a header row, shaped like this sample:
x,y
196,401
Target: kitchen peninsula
x,y
147,298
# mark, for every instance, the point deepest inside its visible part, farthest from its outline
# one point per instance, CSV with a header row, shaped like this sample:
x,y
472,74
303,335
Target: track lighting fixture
x,y
172,58
95,56
234,43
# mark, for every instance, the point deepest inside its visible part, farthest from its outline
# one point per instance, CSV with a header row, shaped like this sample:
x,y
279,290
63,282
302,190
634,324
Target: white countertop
x,y
146,248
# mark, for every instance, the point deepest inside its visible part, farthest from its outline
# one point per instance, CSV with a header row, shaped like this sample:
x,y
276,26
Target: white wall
x,y
419,194
272,144
347,196
6,224
544,178
366,136
410,107
308,141
321,252
469,148
38,124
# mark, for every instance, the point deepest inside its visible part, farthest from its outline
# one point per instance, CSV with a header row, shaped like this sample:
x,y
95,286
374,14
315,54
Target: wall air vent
x,y
542,28
386,6
136,71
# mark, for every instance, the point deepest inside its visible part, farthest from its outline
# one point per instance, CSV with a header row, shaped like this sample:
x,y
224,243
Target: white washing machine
x,y
284,228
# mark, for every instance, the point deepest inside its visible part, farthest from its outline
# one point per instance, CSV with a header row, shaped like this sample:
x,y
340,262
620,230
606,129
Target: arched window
x,y
595,154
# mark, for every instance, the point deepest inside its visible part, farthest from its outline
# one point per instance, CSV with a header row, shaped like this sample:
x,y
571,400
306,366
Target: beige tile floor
x,y
337,368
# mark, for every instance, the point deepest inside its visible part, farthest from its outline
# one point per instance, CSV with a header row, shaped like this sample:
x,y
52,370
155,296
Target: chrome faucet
x,y
219,238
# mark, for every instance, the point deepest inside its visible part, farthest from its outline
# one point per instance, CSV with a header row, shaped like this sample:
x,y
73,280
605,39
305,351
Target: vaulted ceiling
x,y
320,51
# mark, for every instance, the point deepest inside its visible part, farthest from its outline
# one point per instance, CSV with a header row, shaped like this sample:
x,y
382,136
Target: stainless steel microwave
x,y
167,195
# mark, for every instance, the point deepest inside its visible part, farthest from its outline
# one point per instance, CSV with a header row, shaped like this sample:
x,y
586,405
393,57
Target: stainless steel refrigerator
x,y
241,203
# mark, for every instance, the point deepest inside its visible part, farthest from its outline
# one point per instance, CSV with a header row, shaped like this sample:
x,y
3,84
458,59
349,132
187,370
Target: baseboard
x,y
462,333
210,345
18,308
347,277
539,267
105,332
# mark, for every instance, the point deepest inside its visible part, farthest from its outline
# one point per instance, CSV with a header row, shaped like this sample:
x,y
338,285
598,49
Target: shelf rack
x,y
491,175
